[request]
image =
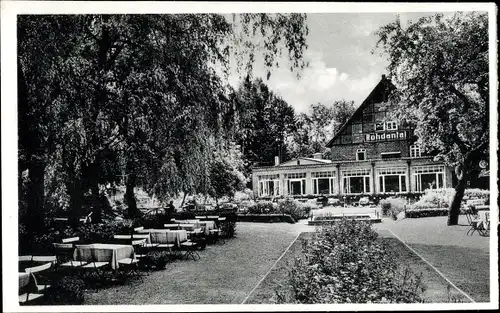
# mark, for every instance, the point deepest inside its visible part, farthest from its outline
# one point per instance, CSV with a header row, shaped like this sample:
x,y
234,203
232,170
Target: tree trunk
x,y
35,197
457,201
184,199
75,190
129,192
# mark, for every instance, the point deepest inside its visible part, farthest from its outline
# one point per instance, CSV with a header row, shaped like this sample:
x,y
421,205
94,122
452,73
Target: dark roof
x,y
382,85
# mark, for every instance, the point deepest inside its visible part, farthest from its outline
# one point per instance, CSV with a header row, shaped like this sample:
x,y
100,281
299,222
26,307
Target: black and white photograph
x,y
245,156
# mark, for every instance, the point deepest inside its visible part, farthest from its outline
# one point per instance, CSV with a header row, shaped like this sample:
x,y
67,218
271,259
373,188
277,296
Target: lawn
x,y
226,273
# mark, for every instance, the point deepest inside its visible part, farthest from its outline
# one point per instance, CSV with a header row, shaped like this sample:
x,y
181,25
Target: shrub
x,y
104,232
68,290
392,206
294,208
155,259
416,213
476,193
228,229
346,262
435,199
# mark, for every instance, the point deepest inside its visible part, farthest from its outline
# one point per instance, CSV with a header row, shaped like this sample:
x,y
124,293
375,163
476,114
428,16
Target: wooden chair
x,y
475,223
138,228
190,247
39,271
130,265
25,258
27,291
64,255
172,226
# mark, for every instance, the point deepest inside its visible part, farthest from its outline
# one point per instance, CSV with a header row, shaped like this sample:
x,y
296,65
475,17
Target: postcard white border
x,y
9,133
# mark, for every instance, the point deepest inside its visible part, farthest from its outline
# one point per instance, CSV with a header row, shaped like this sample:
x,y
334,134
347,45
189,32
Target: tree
x,y
440,68
315,128
264,120
226,173
135,96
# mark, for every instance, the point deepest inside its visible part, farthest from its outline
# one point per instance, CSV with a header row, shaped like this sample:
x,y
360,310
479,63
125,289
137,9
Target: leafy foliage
x,y
347,263
67,290
441,70
138,100
392,206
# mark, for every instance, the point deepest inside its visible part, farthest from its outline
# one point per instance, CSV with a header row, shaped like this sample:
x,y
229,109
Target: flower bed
x,y
347,263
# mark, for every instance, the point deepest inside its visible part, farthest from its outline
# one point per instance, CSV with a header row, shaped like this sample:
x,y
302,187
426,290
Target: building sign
x,y
399,135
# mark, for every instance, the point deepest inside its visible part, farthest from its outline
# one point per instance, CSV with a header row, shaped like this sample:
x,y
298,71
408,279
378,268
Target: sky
x,y
341,63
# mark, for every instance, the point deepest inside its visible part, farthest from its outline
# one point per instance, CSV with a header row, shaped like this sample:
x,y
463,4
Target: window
x,y
357,128
391,155
379,126
368,117
391,125
360,154
415,151
429,177
296,183
269,185
392,180
356,181
324,183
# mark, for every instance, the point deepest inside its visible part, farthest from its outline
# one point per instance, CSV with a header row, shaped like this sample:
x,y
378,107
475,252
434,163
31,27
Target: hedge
x,y
266,218
416,213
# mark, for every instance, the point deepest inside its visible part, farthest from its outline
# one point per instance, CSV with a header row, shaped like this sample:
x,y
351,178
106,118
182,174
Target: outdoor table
x,y
482,207
208,225
188,226
105,252
134,237
153,230
24,279
177,236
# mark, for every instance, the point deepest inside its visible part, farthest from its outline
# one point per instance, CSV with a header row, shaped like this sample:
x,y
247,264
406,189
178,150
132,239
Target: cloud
x,y
318,83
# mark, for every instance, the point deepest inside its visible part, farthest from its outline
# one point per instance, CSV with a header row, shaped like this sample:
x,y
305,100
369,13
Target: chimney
x,y
317,155
383,77
276,160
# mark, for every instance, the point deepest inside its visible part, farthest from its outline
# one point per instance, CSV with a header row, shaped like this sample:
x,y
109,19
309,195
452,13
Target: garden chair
x,y
71,240
130,266
64,255
190,248
44,258
172,226
86,253
475,223
39,271
137,229
25,258
27,290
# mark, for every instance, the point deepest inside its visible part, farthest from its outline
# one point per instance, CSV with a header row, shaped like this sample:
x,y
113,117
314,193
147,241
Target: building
x,y
370,156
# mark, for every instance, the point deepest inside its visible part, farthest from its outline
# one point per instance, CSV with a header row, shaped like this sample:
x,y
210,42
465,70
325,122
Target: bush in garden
x,y
104,232
261,207
68,290
416,213
346,263
294,208
386,206
392,206
155,259
228,229
476,193
435,199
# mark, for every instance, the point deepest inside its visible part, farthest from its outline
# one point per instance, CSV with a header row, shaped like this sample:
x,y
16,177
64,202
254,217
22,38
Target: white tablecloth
x,y
104,252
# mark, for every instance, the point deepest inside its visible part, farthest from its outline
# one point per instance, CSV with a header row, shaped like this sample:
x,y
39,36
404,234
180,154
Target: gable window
x,y
379,126
361,154
415,151
391,125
